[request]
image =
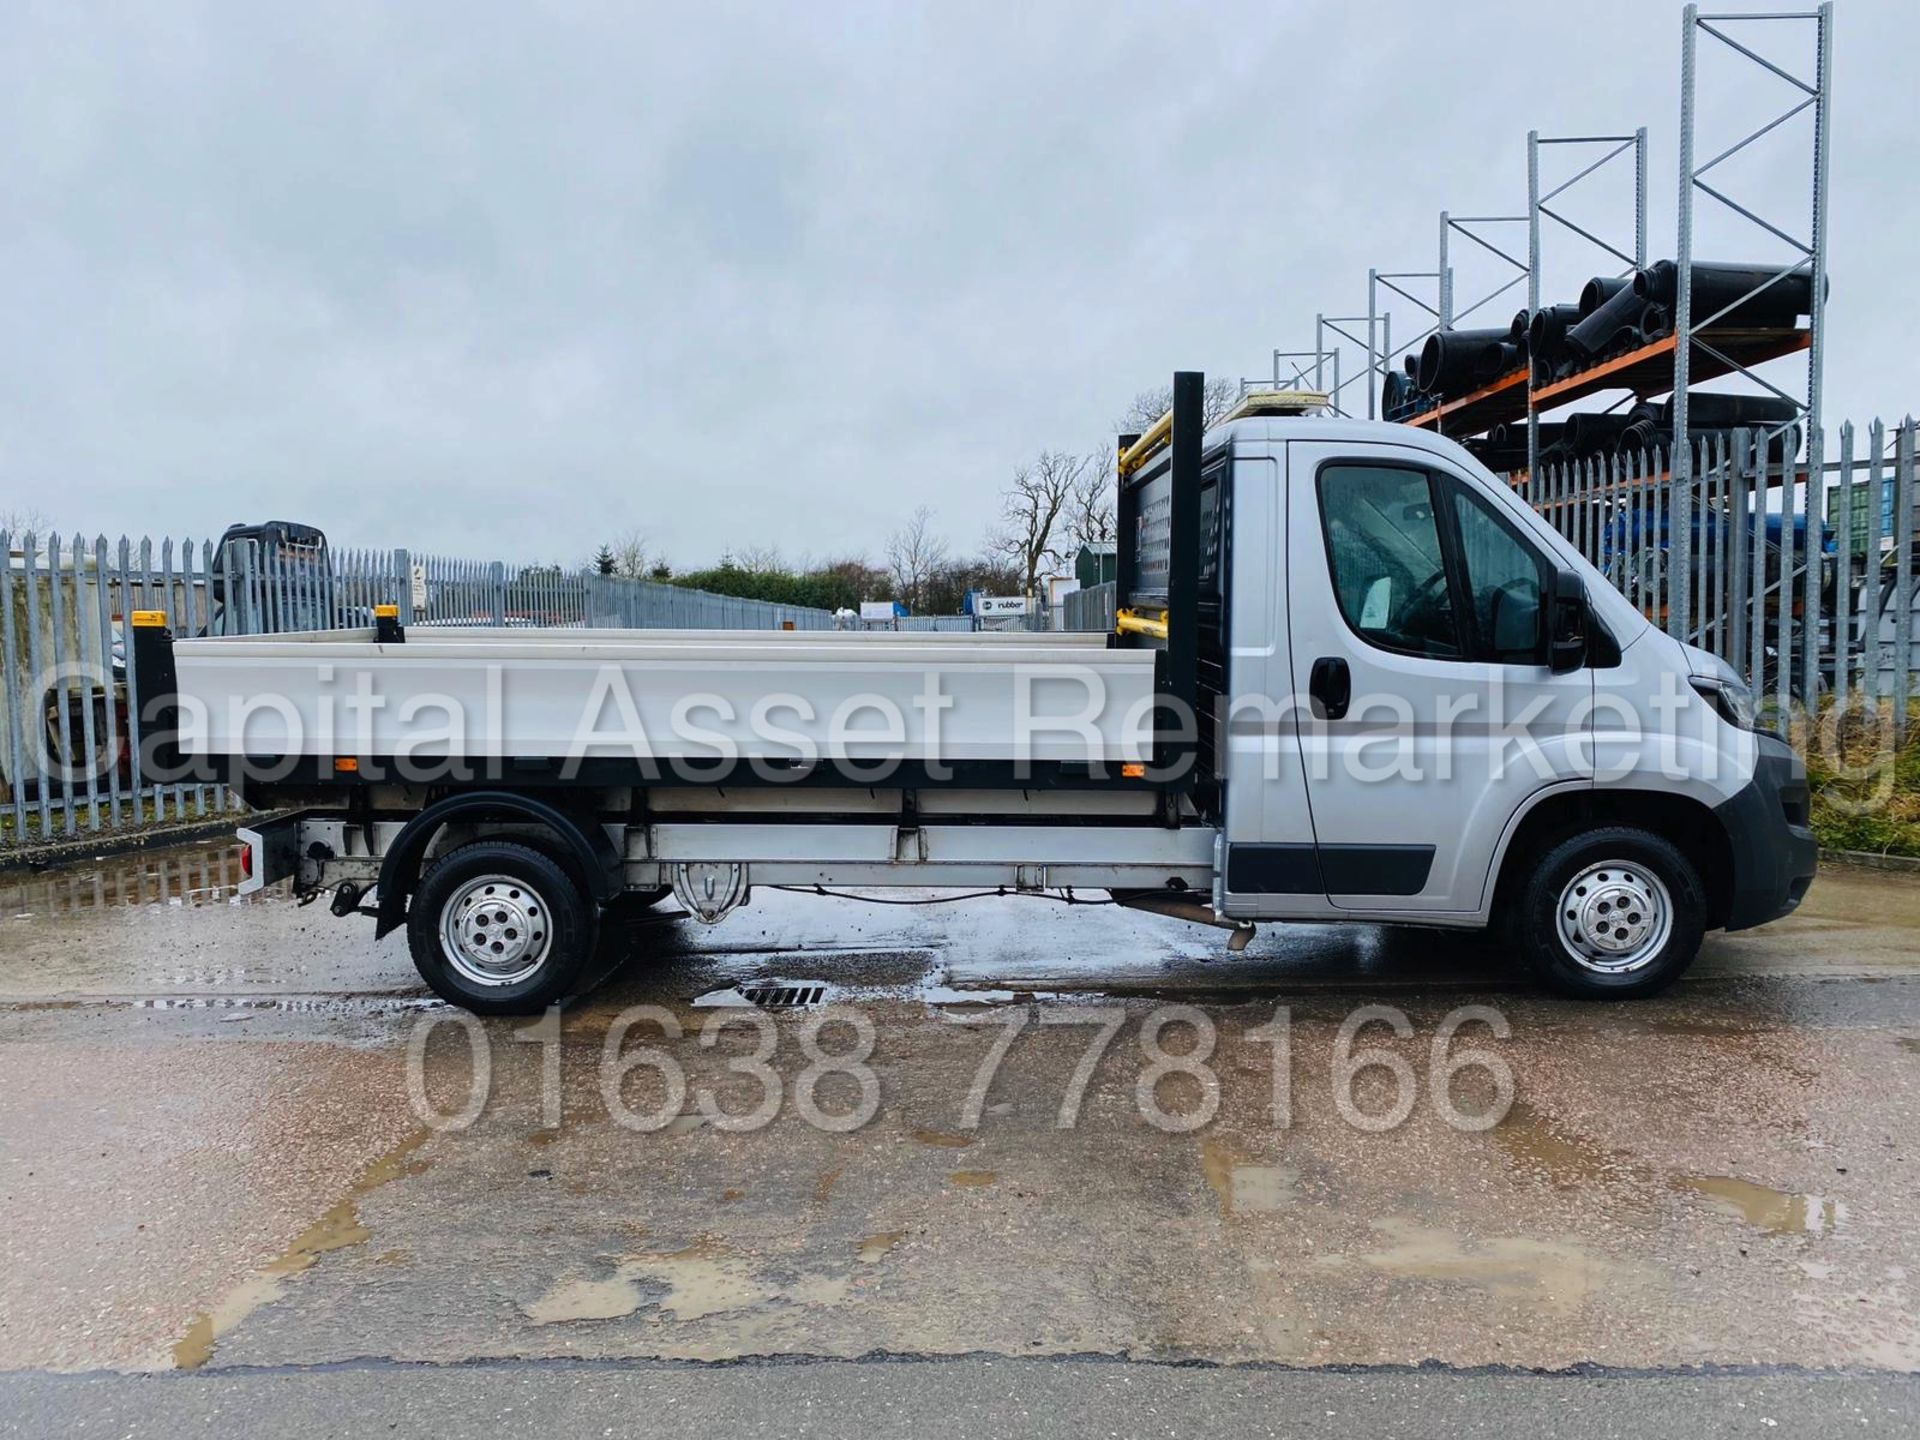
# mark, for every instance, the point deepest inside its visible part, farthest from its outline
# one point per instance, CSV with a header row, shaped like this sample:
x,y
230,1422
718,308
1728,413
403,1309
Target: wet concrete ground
x,y
210,1158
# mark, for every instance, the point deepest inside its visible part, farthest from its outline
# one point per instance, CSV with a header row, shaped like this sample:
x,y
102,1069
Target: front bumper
x,y
1769,837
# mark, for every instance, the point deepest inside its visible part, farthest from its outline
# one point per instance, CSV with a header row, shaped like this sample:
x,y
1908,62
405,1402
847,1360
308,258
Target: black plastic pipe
x,y
1496,360
1775,301
1396,395
1514,432
1449,361
1615,323
1600,289
1719,411
1594,434
1547,328
1641,436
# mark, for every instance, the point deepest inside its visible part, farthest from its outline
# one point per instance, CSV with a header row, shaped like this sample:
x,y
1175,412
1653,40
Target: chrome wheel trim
x,y
1614,917
496,930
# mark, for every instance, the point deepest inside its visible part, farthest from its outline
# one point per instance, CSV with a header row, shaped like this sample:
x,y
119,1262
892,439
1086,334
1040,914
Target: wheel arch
x,y
582,842
1686,822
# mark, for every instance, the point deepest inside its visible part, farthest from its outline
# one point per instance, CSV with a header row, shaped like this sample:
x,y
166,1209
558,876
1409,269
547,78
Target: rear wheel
x,y
501,928
1615,913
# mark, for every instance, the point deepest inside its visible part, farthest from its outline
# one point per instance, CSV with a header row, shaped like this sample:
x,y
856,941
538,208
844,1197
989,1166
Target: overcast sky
x,y
507,281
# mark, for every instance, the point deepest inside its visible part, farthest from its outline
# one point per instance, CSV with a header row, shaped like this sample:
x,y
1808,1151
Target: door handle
x,y
1330,686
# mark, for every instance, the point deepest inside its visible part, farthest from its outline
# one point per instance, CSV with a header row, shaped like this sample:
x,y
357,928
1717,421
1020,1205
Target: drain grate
x,y
783,997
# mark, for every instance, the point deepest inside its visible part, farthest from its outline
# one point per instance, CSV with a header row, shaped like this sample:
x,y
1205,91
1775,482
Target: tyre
x,y
501,928
1611,914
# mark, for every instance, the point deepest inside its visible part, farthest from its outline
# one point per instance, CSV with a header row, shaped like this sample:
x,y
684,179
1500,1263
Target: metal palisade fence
x,y
1090,608
1799,572
70,759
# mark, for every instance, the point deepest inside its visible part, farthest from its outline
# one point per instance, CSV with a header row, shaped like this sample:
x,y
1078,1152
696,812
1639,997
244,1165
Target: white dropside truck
x,y
1353,677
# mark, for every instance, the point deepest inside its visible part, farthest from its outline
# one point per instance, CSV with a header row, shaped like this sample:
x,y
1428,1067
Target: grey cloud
x,y
501,280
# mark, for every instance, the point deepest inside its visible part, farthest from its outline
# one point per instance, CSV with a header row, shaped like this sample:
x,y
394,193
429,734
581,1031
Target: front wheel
x,y
500,928
1612,914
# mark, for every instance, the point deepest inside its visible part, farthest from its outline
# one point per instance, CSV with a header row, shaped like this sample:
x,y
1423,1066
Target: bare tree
x,y
630,555
1030,511
1221,394
760,560
1090,506
24,519
914,552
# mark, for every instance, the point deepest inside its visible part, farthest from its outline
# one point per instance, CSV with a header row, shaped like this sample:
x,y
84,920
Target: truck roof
x,y
1334,429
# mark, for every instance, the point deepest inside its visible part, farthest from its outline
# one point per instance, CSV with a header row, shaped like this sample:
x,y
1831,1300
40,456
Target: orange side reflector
x,y
345,764
1133,772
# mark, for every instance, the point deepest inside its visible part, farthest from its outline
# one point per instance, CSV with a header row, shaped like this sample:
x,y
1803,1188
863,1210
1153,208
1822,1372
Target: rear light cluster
x,y
246,862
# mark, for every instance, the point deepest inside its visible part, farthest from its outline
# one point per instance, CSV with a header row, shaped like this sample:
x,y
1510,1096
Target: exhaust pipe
x,y
1177,906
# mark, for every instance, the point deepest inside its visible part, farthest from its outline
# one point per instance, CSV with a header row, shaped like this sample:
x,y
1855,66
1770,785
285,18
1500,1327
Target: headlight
x,y
1732,700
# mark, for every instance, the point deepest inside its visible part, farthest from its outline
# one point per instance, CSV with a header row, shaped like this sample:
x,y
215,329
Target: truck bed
x,y
688,694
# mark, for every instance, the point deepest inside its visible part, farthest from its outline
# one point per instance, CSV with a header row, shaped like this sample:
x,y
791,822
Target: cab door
x,y
1267,866
1415,605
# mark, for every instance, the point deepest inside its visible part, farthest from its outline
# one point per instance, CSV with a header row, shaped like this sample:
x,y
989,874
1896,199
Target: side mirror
x,y
1566,622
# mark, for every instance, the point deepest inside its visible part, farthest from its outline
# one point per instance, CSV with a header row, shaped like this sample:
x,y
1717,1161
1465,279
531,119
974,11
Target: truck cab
x,y
1406,673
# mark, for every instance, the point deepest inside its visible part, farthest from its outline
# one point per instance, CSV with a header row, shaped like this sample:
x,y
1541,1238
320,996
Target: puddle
x,y
1246,1189
702,1280
337,1229
1566,1160
972,1179
200,876
1551,1274
1777,1212
874,1248
941,1140
366,1004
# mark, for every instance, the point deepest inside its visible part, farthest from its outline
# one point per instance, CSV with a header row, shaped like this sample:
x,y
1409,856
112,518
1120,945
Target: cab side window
x,y
1388,564
1504,584
1423,566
